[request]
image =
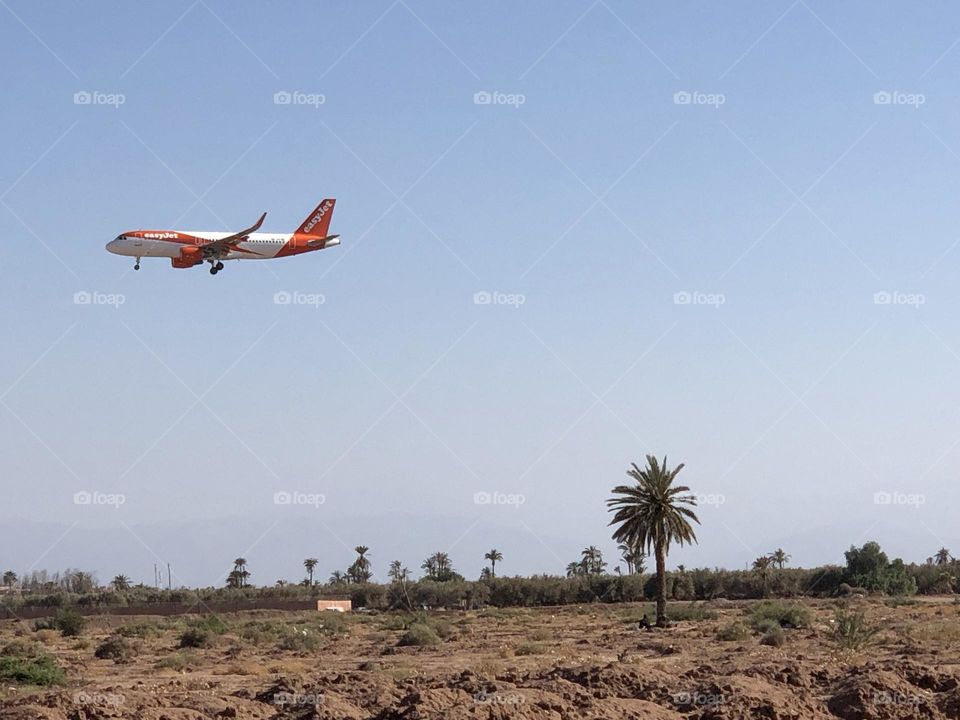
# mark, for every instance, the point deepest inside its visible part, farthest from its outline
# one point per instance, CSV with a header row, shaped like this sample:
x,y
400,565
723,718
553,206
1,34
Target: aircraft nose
x,y
114,245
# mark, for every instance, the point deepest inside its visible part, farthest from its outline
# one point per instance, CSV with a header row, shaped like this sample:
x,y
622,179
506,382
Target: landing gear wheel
x,y
219,265
136,265
213,270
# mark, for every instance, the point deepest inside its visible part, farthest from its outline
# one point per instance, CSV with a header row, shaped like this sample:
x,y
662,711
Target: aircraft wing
x,y
217,247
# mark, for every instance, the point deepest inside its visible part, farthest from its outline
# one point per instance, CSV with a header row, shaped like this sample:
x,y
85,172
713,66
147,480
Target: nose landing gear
x,y
136,265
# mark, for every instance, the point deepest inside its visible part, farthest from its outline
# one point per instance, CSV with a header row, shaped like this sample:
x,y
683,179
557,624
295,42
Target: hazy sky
x,y
725,233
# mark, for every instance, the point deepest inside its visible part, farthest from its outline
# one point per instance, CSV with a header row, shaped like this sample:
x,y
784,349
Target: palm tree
x,y
310,564
942,557
399,575
574,569
593,563
120,583
779,558
9,578
397,572
652,514
337,578
761,565
360,571
494,556
439,567
240,568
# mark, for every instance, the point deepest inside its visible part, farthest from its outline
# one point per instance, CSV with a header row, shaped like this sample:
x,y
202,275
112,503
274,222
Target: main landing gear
x,y
136,265
215,267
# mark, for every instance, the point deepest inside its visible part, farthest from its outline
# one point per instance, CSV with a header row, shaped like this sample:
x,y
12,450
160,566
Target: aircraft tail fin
x,y
318,222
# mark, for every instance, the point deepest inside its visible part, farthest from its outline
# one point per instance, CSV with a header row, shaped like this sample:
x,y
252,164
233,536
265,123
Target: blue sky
x,y
727,235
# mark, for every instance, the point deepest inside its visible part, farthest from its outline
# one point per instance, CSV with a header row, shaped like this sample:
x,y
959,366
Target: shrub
x,y
775,636
443,629
530,648
40,670
540,635
733,632
302,640
419,635
116,648
139,630
334,623
69,622
196,637
790,616
851,630
212,624
765,625
177,661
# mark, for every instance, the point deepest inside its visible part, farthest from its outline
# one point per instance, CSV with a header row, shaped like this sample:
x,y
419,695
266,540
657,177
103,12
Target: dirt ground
x,y
590,661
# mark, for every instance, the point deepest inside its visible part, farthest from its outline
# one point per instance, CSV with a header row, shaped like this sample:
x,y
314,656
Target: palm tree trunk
x,y
659,551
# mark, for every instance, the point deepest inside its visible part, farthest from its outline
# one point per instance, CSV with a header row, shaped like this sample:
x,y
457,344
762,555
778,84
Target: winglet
x,y
243,233
256,226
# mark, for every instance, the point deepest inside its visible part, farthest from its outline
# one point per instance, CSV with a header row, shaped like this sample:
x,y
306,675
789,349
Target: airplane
x,y
187,249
